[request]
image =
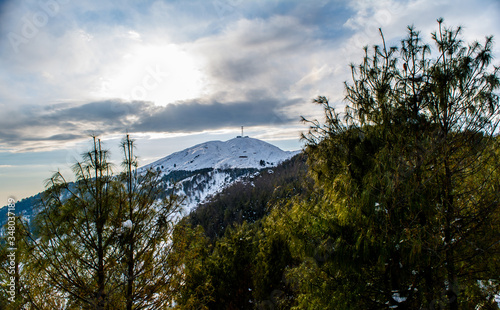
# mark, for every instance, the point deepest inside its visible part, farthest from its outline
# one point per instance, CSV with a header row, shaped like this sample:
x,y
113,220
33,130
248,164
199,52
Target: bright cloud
x,y
161,73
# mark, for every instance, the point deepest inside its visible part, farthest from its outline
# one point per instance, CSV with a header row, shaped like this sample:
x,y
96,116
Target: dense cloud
x,y
70,122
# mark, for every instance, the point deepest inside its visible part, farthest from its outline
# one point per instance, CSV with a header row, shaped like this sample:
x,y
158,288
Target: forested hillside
x,y
404,211
252,198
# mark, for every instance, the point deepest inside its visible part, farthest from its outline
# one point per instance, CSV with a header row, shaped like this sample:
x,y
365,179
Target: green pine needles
x,y
411,174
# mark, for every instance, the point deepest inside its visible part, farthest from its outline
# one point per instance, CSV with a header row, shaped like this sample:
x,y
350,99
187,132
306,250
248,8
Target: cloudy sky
x,y
177,73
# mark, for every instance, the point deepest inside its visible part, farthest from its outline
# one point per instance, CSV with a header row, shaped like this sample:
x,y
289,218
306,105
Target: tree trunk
x,y
130,254
452,291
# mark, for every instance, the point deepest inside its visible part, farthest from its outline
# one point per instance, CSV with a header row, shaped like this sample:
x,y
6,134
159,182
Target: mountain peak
x,y
239,152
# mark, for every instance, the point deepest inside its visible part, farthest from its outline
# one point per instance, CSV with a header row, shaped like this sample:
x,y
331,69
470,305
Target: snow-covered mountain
x,y
202,170
237,153
207,168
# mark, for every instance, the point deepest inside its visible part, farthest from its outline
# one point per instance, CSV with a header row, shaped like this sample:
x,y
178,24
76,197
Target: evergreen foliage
x,y
240,264
407,182
145,241
251,199
103,242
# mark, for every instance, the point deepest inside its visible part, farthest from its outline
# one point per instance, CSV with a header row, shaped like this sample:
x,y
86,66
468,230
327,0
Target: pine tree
x,y
146,240
408,178
77,231
104,241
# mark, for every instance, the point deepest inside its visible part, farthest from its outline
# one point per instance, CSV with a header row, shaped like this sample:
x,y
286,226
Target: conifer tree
x,y
146,239
409,177
104,241
77,232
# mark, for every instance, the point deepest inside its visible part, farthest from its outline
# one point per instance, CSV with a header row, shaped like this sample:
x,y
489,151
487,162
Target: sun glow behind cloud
x,y
162,73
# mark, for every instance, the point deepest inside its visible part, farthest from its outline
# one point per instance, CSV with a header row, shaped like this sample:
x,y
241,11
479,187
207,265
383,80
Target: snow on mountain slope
x,y
202,170
205,169
241,152
201,186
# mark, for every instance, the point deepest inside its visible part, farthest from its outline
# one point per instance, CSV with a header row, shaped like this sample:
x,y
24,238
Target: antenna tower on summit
x,y
242,136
